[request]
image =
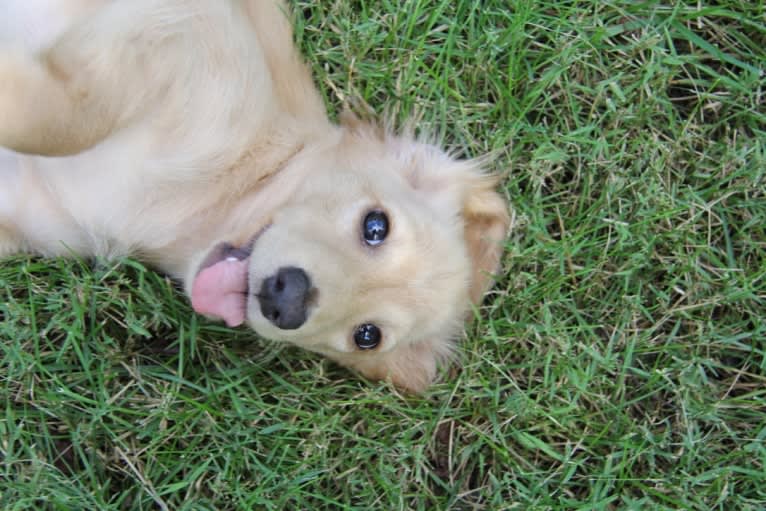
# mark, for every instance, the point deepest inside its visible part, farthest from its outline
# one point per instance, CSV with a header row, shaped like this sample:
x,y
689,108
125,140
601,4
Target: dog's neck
x,y
242,198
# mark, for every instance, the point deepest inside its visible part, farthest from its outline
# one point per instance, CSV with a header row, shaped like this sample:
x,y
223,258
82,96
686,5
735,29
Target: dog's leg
x,y
34,103
42,113
69,97
125,59
97,77
292,77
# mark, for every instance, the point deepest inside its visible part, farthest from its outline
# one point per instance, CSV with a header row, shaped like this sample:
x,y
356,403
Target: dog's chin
x,y
221,284
306,336
261,326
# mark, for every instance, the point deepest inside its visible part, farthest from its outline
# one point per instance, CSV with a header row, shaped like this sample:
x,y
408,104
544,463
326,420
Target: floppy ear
x,y
487,219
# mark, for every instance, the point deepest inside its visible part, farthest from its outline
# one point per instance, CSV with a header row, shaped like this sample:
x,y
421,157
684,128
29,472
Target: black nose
x,y
284,298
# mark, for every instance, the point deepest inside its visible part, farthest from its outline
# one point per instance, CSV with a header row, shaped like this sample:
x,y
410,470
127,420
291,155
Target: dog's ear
x,y
487,219
461,187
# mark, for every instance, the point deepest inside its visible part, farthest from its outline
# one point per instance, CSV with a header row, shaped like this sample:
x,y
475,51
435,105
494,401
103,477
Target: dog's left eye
x,y
375,228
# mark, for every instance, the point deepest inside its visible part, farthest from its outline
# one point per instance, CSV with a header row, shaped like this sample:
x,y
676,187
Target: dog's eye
x,y
367,336
375,227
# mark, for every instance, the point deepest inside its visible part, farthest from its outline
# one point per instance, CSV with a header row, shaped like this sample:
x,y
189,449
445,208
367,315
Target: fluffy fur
x,y
160,128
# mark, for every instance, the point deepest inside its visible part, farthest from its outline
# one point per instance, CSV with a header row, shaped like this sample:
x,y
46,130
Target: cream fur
x,y
156,129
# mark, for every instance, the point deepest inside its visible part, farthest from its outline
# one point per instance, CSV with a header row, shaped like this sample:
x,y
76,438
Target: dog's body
x,y
189,134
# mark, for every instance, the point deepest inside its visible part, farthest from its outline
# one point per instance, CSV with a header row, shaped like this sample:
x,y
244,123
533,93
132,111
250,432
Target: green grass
x,y
620,362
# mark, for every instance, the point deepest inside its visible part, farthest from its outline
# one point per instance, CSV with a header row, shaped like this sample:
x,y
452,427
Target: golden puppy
x,y
190,135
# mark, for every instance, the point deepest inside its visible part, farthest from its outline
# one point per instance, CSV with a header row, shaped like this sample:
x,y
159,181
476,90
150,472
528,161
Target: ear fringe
x,y
487,215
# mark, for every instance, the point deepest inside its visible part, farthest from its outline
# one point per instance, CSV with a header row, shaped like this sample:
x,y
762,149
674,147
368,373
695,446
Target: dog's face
x,y
373,262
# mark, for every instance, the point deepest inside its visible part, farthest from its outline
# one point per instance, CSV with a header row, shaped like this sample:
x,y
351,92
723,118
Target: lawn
x,y
619,362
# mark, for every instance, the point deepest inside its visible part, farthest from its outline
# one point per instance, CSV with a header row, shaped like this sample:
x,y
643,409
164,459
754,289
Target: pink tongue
x,y
220,290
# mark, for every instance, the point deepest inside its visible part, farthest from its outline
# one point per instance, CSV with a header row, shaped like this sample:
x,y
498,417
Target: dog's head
x,y
373,262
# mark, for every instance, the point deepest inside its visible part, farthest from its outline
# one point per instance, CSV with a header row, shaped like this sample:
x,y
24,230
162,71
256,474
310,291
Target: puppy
x,y
189,134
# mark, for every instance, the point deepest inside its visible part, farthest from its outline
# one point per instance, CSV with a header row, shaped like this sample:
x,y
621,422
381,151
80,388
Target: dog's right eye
x,y
367,336
375,227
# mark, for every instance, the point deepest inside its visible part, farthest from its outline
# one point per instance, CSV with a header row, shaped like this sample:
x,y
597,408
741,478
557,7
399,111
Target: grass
x,y
620,362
